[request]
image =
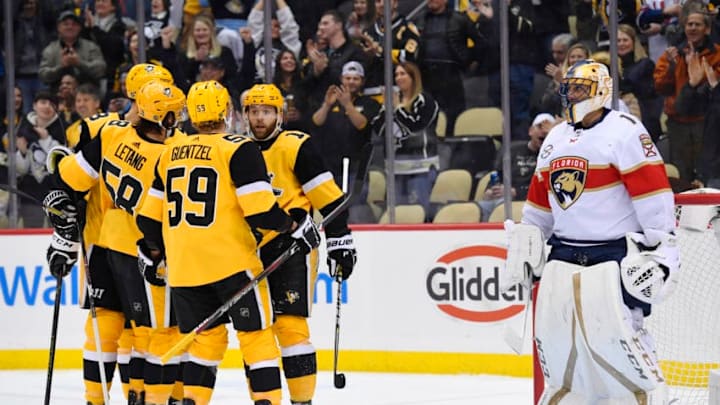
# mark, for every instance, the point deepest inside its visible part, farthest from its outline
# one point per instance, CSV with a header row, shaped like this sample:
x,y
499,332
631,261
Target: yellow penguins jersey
x,y
98,199
123,160
206,189
297,174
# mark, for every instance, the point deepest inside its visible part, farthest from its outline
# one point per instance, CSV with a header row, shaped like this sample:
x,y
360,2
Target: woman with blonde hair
x,y
199,45
416,157
550,101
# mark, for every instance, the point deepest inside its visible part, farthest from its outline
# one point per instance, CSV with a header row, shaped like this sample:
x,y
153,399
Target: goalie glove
x,y
525,254
341,256
306,234
62,255
650,270
63,214
148,262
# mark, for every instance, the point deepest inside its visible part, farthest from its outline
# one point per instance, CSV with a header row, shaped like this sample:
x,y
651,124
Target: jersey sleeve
x,y
643,173
316,181
537,206
319,186
153,205
81,170
253,190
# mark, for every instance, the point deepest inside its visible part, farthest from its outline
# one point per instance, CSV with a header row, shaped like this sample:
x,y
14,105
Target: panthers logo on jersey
x,y
567,179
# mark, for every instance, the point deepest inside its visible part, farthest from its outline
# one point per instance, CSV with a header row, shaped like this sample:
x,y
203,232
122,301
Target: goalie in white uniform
x,y
601,198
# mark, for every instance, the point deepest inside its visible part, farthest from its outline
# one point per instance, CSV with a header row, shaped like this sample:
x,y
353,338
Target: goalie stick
x,y
365,157
511,337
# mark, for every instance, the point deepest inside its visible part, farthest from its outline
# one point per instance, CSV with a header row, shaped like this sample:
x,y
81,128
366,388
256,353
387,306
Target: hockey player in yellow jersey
x,y
300,181
116,342
121,157
210,193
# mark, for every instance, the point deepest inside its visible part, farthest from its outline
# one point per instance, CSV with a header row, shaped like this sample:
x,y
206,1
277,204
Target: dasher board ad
x,y
418,289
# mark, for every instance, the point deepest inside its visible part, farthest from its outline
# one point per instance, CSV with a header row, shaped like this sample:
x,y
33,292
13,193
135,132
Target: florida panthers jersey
x,y
123,160
205,186
599,183
297,174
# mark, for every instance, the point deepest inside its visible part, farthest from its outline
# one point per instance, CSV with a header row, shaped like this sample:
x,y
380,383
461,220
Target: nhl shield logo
x,y
567,179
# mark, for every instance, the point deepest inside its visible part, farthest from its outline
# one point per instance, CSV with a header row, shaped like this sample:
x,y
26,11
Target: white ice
x,y
28,388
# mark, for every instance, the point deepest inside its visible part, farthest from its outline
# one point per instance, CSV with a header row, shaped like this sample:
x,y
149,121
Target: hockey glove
x,y
651,268
62,254
148,262
63,214
306,234
341,256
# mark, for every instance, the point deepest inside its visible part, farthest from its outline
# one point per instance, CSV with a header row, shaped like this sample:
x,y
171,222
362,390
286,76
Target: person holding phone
x,y
523,158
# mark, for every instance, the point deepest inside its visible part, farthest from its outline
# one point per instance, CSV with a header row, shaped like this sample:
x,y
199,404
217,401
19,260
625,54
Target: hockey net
x,y
686,327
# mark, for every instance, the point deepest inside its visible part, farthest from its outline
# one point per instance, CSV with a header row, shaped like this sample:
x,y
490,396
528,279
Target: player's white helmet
x,y
592,78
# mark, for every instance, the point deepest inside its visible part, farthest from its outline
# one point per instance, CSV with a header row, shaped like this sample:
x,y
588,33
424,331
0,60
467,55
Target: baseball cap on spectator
x,y
542,117
46,95
215,62
69,14
353,68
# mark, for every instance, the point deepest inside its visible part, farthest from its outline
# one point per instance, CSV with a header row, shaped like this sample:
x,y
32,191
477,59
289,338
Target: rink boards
x,y
421,299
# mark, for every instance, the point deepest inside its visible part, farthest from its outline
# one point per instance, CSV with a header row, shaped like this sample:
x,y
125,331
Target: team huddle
x,y
199,216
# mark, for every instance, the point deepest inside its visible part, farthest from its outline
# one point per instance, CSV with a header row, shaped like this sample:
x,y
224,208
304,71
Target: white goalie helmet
x,y
591,77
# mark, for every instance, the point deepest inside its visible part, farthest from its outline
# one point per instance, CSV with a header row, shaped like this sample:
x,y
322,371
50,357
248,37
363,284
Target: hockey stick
x,y
94,321
366,154
13,190
53,339
339,378
510,336
88,281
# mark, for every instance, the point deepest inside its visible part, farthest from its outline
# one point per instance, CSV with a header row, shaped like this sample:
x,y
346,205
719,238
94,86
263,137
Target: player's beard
x,y
265,133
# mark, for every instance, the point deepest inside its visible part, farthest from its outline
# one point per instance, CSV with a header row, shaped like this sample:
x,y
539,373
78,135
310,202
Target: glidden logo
x,y
464,283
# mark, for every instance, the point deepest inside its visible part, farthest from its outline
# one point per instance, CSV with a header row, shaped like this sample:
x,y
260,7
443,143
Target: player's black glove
x,y
341,256
62,253
62,212
306,234
148,262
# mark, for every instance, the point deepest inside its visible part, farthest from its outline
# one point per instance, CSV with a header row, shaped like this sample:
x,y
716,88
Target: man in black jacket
x,y
444,55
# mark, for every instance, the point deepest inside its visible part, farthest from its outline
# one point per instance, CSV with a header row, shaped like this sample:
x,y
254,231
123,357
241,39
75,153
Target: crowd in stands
x,y
71,58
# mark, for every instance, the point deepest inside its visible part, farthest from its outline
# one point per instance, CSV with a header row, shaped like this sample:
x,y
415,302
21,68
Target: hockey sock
x,y
109,326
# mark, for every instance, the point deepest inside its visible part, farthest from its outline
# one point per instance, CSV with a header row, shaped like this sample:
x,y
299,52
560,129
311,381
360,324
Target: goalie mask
x,y
586,87
263,95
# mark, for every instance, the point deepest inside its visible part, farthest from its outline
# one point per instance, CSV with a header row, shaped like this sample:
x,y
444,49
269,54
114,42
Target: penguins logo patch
x,y
567,179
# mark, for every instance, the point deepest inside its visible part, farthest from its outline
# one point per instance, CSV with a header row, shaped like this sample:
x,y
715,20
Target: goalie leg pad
x,y
622,352
554,323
